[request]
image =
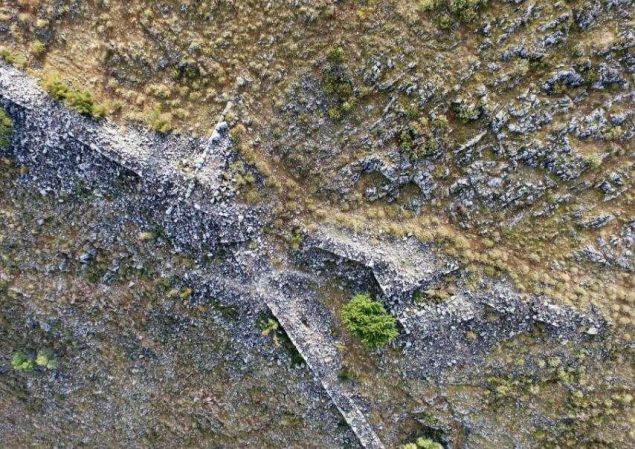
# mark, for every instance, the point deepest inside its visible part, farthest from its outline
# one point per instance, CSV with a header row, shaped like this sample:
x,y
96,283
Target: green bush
x,y
37,48
79,100
613,133
338,85
426,5
423,443
369,321
45,360
6,128
270,327
335,55
465,10
22,362
55,86
12,58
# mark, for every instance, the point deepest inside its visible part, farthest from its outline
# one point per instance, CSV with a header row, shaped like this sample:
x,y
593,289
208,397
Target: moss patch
x,y
6,129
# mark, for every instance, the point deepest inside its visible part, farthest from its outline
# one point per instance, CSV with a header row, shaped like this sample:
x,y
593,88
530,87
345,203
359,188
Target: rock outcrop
x,y
180,178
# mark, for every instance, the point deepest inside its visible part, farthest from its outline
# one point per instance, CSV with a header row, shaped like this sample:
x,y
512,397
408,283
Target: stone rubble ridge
x,y
172,170
196,210
399,267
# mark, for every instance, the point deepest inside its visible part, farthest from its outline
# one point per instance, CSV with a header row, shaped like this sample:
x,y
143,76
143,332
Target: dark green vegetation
x,y
369,321
337,85
6,128
26,362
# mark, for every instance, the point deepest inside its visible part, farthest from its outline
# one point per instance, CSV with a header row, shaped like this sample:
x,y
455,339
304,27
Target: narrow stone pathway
x,y
306,326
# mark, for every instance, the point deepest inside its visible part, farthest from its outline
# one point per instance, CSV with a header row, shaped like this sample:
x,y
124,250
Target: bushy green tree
x,y
369,321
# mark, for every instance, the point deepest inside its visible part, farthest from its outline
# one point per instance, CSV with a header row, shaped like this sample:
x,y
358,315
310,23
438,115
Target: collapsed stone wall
x,y
179,179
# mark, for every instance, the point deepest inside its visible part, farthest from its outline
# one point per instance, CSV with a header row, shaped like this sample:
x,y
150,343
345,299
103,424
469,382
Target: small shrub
x,y
80,101
6,129
593,161
37,48
22,362
464,11
160,122
423,443
45,360
426,5
338,85
12,58
369,321
55,86
295,240
335,114
270,327
185,293
467,112
440,122
613,133
335,55
445,22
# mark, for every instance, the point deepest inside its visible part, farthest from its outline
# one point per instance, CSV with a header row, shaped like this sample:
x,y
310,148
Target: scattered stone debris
x,y
467,164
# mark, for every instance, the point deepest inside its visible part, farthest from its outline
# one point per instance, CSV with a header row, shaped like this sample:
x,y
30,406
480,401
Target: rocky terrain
x,y
192,193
